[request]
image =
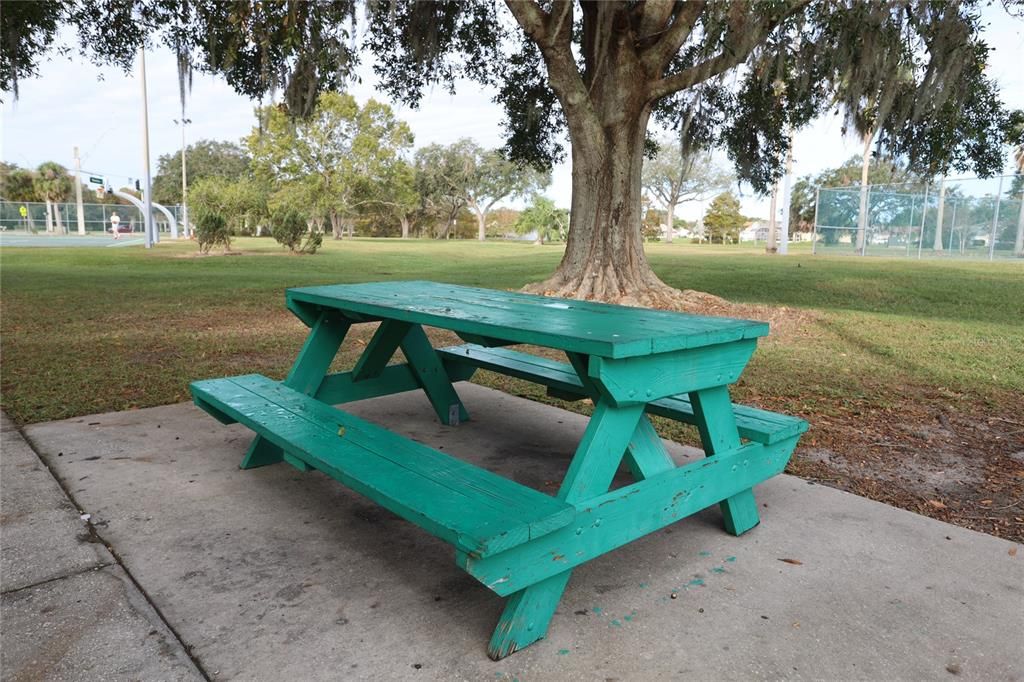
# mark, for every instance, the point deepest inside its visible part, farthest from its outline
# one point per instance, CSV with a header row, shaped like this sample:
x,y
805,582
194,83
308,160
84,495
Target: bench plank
x,y
760,426
480,512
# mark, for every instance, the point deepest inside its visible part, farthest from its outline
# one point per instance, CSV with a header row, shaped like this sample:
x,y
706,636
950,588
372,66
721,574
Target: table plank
x,y
602,329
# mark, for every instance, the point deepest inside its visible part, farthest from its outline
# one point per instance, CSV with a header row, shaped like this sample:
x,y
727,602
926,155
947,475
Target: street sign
x,y
95,180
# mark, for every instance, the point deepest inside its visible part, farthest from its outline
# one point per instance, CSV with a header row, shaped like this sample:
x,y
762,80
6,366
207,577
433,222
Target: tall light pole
x,y
148,188
78,193
184,175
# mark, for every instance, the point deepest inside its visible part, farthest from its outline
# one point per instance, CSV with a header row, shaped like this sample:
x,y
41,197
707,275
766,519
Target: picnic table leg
x,y
429,372
645,455
716,422
306,376
528,612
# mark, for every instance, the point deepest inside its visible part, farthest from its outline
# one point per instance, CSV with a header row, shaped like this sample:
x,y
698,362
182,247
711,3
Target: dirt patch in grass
x,y
959,464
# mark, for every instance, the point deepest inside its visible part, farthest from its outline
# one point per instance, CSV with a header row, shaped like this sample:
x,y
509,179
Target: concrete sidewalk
x,y
69,611
273,574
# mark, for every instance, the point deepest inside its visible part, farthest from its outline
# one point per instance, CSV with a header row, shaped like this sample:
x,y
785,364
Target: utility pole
x,y
78,193
784,211
771,245
940,217
184,175
995,221
147,189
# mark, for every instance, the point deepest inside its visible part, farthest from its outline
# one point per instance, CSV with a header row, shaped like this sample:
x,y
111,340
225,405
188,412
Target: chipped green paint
x,y
519,543
730,559
563,652
718,569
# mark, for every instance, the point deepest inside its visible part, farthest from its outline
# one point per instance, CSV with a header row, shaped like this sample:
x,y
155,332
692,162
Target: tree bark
x,y
604,257
405,227
337,229
670,213
49,216
481,224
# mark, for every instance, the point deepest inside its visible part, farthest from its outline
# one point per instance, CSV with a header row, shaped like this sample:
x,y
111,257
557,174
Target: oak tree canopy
x,y
741,75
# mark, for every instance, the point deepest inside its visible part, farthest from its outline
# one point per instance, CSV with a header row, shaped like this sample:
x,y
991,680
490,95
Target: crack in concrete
x,y
94,536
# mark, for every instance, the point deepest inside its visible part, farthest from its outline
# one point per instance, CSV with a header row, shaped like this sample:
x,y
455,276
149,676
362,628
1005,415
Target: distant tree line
x,y
348,169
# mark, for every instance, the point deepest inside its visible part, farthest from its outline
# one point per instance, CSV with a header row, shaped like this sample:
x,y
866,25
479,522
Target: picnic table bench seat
x,y
759,426
477,511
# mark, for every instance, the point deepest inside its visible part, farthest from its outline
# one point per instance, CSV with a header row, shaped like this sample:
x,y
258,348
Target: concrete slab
x,y
271,574
42,535
88,626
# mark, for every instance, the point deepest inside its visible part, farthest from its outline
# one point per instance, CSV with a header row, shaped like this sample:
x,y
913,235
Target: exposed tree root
x,y
648,291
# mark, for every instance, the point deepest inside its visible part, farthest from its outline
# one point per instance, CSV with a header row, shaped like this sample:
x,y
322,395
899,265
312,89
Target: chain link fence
x,y
64,219
950,218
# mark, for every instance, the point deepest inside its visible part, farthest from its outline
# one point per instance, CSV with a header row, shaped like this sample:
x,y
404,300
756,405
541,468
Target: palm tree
x,y
53,184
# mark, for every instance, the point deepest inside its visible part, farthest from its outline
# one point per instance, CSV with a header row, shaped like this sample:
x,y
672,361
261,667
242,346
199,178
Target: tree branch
x,y
740,42
657,57
553,35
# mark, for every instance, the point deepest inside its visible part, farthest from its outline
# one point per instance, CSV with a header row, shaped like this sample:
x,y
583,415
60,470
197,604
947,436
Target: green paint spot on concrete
x,y
563,652
616,623
696,582
597,610
705,553
730,559
718,569
627,618
643,585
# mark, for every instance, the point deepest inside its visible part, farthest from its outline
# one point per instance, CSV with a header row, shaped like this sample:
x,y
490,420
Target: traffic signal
x,y
138,187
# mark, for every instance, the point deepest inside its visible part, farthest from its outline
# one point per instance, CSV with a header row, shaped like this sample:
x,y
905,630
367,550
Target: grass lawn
x,y
911,372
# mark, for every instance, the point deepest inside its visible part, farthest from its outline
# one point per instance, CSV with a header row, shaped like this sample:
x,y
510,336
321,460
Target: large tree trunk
x,y
49,216
58,224
405,227
481,224
604,257
670,217
337,229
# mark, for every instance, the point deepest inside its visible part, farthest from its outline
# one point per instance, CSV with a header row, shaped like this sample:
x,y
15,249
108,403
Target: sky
x,y
73,102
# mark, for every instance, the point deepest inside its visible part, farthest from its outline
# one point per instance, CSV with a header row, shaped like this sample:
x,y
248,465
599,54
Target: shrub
x,y
288,227
212,229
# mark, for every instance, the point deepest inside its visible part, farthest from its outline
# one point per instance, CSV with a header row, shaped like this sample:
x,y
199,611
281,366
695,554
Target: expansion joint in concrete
x,y
94,536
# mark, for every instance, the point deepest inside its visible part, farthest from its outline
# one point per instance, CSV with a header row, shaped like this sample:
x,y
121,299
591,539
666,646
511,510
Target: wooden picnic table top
x,y
611,331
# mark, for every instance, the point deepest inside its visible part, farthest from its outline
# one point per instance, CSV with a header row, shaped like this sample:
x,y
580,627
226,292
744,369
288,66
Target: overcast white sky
x,y
98,109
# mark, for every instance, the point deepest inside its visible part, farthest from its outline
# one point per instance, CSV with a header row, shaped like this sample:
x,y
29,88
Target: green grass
x,y
86,331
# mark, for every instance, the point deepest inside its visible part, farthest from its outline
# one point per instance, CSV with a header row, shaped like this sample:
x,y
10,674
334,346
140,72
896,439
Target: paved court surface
x,y
70,240
273,574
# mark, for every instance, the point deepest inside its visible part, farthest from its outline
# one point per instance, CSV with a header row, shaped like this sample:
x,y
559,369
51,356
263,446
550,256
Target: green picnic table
x,y
519,542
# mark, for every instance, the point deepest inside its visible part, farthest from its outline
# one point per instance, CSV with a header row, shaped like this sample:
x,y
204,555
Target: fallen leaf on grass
x,y
795,562
937,504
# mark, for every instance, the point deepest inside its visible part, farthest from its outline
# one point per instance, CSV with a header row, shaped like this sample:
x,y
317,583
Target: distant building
x,y
755,231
